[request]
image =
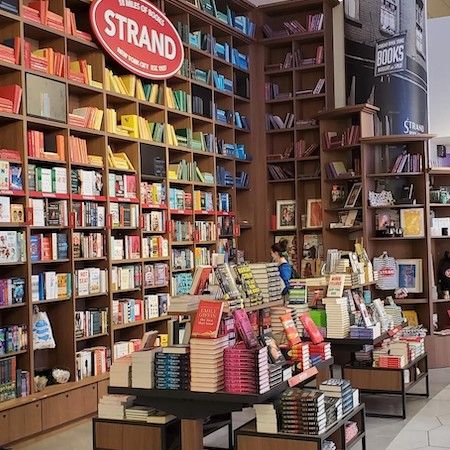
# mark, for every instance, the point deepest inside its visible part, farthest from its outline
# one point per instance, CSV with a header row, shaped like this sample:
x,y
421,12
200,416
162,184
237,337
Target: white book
x,y
51,285
5,209
114,211
34,288
46,180
112,184
54,246
94,281
60,177
37,204
103,281
83,281
101,216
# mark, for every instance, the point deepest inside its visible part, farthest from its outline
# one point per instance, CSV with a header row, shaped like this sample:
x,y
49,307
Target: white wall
x,y
439,75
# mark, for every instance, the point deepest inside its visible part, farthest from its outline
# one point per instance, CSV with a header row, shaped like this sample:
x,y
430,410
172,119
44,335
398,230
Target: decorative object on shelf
x,y
61,376
381,199
353,196
387,269
42,330
338,194
287,215
412,222
314,213
40,383
410,274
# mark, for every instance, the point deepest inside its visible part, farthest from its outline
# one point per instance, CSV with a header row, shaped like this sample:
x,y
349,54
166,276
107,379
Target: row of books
x,y
50,286
154,222
88,214
14,382
10,50
203,201
124,215
128,247
87,182
202,256
91,322
182,230
37,141
86,117
277,172
408,162
224,177
10,172
10,98
153,193
11,212
90,281
122,185
155,247
78,151
13,338
224,51
182,259
296,59
12,291
129,310
181,283
91,362
47,180
333,139
156,275
205,231
48,247
314,22
88,245
12,247
45,60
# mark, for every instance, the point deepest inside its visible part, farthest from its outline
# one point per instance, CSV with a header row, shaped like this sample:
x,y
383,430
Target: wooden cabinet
x,y
69,406
4,427
25,421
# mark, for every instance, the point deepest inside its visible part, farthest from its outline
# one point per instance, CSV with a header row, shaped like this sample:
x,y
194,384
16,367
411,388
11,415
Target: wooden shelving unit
x,y
13,133
303,179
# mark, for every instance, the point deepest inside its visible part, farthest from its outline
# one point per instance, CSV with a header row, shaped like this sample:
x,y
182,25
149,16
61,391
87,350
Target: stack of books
x,y
113,406
298,302
268,279
300,354
338,320
358,332
253,295
322,350
147,414
392,361
172,368
10,98
266,418
338,388
120,372
275,374
275,320
303,412
246,370
207,364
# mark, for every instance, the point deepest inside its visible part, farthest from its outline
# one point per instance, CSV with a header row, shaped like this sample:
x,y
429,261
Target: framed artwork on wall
x,y
410,275
314,213
286,215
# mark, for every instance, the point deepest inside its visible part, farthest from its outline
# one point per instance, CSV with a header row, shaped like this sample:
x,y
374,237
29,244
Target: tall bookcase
x,y
232,226
288,86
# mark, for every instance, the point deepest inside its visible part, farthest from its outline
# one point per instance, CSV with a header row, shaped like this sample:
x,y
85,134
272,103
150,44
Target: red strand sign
x,y
138,36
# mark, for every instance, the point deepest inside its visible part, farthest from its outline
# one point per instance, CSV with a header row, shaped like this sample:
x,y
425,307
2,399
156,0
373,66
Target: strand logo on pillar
x,y
138,36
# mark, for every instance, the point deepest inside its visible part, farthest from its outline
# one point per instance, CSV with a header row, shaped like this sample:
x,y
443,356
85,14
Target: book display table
x,y
389,381
247,438
192,408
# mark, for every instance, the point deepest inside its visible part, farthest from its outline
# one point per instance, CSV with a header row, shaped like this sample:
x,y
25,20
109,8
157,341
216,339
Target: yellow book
x,y
174,136
129,81
411,317
140,94
122,87
61,280
144,131
131,121
110,155
154,94
123,157
97,84
98,118
89,73
197,200
169,98
106,79
75,67
173,171
115,84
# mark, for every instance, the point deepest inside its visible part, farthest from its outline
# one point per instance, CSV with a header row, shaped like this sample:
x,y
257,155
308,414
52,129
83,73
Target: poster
x,y
385,58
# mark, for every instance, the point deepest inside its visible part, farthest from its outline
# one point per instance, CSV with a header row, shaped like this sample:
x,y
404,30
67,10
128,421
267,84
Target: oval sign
x,y
138,36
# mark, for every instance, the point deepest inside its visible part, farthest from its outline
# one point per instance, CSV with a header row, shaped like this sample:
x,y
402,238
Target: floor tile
x,y
440,437
422,422
410,440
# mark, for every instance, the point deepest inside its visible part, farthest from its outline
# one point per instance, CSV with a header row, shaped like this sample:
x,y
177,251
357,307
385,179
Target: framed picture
x,y
410,275
314,213
286,215
353,195
412,221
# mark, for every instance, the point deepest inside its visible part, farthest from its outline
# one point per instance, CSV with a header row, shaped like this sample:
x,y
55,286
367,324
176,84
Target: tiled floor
x,y
427,426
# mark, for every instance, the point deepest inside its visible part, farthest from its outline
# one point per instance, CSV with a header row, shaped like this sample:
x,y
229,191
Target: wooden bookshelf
x,y
13,132
289,88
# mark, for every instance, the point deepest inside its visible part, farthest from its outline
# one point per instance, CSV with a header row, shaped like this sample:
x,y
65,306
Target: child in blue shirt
x,y
279,255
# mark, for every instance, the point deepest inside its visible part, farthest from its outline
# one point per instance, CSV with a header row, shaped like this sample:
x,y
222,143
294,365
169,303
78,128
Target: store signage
x,y
390,55
138,36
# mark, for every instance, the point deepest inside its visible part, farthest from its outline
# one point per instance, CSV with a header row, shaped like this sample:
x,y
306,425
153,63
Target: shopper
x,y
280,256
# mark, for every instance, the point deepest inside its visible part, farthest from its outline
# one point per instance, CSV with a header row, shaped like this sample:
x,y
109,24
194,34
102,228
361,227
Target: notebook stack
x,y
266,418
338,320
303,412
172,368
120,372
143,368
251,292
207,365
321,350
246,370
335,387
276,325
373,332
113,406
268,279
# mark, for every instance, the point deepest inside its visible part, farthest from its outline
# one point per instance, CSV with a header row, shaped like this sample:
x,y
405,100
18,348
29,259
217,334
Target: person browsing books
x,y
280,256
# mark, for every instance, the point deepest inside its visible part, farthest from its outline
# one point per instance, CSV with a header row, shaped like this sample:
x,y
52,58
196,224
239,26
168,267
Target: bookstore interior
x,y
223,224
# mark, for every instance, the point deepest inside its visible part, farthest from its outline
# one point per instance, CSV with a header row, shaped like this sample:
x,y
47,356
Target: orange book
x,y
46,248
60,146
207,320
14,93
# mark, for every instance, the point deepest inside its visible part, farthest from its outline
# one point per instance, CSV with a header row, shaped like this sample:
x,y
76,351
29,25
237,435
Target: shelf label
x,y
138,36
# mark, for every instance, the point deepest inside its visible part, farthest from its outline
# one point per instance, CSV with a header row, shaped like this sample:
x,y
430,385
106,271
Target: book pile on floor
x,y
207,364
268,279
147,414
172,368
303,412
113,406
341,389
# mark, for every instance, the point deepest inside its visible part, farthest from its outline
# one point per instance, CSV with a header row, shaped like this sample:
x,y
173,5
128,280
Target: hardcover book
x,y
207,319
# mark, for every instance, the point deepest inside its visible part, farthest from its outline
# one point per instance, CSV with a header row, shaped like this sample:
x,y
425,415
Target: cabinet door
x,y
89,401
25,421
108,436
4,427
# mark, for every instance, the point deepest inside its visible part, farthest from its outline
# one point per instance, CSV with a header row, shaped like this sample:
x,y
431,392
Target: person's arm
x,y
285,274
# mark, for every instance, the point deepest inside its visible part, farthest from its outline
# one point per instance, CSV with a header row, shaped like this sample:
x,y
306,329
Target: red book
x,y
14,94
46,248
207,320
290,330
10,155
312,329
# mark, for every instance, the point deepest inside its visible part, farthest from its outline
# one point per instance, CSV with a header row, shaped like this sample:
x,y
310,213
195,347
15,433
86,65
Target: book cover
x,y
207,319
336,285
244,328
312,329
